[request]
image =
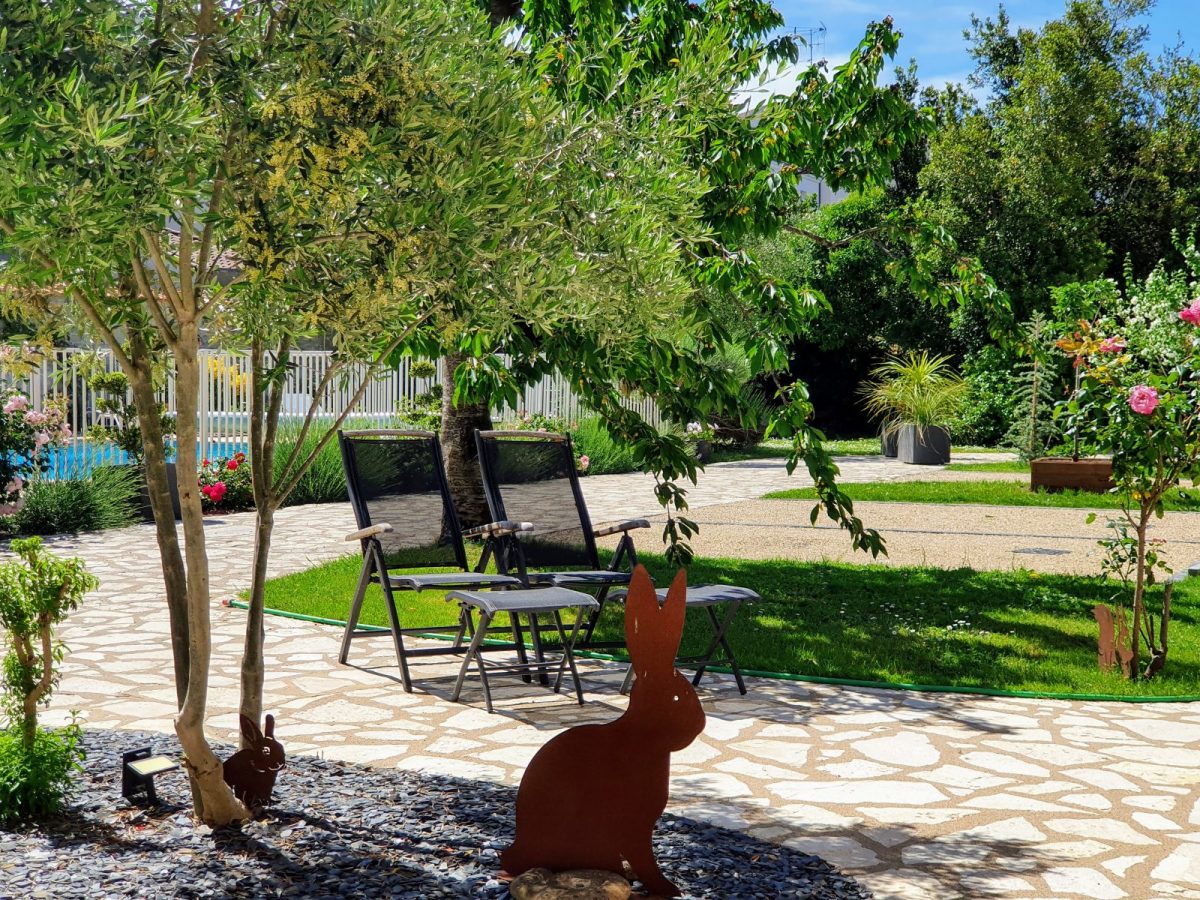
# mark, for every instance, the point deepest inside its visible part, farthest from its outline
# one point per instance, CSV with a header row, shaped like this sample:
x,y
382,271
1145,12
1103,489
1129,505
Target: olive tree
x,y
441,195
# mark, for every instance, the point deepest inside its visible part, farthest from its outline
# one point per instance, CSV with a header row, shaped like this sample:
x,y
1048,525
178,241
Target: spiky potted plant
x,y
915,396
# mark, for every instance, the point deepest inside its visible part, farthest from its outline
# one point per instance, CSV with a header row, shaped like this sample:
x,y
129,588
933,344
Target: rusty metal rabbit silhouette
x,y
592,795
251,772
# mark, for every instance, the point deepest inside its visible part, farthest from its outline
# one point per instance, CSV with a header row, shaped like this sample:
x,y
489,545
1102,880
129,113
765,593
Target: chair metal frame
x,y
510,554
510,557
375,568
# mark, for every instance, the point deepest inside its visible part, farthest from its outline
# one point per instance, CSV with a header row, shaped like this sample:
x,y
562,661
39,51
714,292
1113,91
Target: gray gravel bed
x,y
346,831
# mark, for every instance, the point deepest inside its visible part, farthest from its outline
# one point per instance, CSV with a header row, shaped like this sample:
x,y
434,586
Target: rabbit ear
x,y
652,633
270,729
250,730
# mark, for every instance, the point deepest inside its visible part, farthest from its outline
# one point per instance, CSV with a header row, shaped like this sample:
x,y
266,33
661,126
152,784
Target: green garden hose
x,y
812,679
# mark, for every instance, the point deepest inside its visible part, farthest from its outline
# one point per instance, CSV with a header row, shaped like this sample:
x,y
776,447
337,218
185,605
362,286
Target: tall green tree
x,y
440,195
1083,157
837,125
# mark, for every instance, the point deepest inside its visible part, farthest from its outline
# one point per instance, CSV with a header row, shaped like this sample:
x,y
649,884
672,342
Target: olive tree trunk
x,y
216,803
158,489
458,446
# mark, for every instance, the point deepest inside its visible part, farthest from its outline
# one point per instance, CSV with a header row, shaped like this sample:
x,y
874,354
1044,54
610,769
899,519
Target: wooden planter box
x,y
1058,473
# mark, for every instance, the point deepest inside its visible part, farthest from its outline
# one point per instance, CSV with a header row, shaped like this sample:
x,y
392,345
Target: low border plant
x,y
37,592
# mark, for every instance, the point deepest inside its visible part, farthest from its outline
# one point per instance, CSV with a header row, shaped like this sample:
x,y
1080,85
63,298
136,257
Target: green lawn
x,y
1005,465
995,493
777,449
1009,630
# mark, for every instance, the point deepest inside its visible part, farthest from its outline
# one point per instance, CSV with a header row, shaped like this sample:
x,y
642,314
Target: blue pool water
x,y
78,458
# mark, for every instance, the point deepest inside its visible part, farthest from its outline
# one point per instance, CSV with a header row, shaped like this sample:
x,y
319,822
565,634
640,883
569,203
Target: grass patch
x,y
961,628
869,446
1007,465
779,449
993,493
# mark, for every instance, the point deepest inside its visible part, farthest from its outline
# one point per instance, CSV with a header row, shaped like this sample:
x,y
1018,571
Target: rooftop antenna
x,y
814,39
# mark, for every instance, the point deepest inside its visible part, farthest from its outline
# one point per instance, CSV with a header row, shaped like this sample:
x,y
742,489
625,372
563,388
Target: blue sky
x,y
933,28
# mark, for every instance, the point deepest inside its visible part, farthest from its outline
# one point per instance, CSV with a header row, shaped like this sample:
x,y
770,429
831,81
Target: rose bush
x,y
1142,407
225,484
25,435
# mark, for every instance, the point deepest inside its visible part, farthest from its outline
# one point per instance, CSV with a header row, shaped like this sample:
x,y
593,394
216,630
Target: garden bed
x,y
338,830
956,628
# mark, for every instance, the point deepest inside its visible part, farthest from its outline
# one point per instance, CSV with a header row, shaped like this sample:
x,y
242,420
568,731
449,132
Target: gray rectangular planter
x,y
890,444
927,445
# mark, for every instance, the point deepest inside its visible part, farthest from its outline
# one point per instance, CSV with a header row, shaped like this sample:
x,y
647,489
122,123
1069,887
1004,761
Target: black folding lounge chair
x,y
406,520
531,476
532,473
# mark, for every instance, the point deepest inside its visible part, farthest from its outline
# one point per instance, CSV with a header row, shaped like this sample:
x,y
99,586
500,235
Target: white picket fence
x,y
223,422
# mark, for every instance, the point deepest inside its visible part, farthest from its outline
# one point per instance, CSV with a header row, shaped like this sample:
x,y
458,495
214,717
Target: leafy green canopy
x,y
1084,157
679,67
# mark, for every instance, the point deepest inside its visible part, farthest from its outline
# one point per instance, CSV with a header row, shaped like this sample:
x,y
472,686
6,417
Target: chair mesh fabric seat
x,y
537,600
596,577
534,481
713,594
430,581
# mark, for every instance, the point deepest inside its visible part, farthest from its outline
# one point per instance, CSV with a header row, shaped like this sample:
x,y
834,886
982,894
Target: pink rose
x,y
1112,345
216,492
1143,399
14,485
1191,315
16,403
42,439
64,432
584,462
36,418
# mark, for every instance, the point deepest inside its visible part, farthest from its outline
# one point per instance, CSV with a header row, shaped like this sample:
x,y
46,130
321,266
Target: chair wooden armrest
x,y
498,529
363,533
620,527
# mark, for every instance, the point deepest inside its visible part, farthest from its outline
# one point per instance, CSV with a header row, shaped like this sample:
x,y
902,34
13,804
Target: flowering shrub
x,y
25,433
225,484
1142,407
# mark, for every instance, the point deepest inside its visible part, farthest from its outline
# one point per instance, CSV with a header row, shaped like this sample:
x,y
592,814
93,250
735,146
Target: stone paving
x,y
917,795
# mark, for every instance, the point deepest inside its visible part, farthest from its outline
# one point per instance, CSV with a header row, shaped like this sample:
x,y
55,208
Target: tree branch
x,y
829,244
143,281
293,478
164,274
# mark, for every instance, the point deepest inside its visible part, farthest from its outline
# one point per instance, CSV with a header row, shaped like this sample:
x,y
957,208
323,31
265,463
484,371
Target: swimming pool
x,y
79,457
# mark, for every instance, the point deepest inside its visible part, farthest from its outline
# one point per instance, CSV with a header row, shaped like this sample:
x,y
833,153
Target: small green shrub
x,y
37,591
34,783
990,408
604,455
423,412
104,499
325,480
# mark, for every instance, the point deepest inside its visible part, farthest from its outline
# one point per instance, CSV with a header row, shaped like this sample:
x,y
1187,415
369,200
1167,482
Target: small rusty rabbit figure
x,y
592,795
251,772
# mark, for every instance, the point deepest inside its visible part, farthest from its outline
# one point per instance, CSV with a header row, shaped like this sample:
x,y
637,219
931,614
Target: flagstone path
x,y
917,795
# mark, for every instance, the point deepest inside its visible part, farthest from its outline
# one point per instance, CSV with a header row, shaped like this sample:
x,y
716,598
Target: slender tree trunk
x,y
34,694
159,491
253,666
458,445
217,805
1139,596
265,404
